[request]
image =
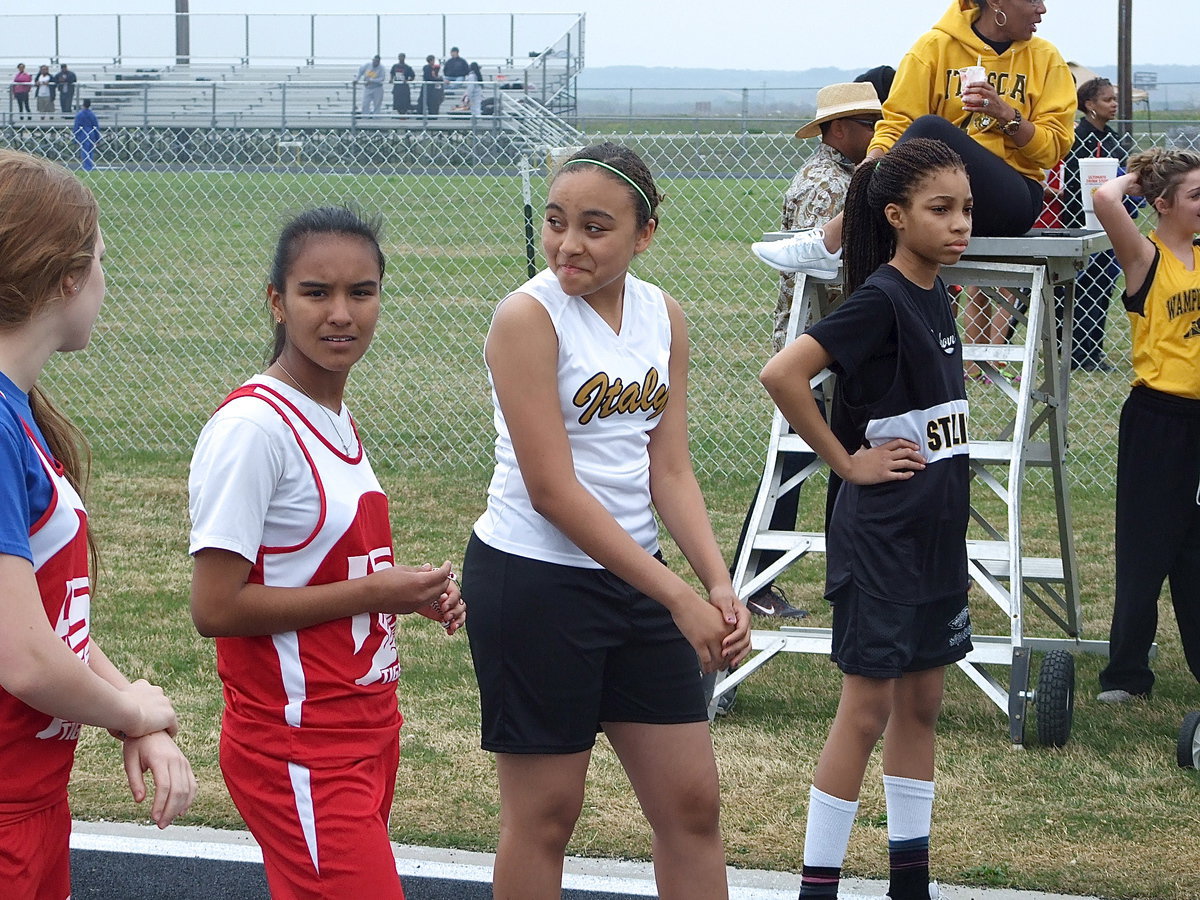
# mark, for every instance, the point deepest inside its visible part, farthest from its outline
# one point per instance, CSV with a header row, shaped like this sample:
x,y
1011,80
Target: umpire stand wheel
x,y
1055,698
1187,754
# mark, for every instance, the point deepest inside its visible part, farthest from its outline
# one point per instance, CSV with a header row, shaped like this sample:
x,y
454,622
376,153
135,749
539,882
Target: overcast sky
x,y
767,34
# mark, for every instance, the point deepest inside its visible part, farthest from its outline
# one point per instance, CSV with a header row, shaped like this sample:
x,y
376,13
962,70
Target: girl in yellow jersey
x,y
1158,455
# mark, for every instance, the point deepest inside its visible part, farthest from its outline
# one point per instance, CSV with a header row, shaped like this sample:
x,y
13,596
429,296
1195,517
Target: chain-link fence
x,y
190,217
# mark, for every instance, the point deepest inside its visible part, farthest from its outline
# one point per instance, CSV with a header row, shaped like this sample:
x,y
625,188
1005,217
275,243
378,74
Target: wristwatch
x,y
1011,127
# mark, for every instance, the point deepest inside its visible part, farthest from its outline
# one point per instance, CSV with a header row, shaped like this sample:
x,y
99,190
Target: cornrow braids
x,y
869,240
1159,171
629,166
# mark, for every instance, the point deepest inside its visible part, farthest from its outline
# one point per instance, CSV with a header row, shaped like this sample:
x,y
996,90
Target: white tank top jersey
x,y
612,389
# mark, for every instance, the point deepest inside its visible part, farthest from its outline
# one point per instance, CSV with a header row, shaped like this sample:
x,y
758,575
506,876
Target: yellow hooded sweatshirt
x,y
1031,76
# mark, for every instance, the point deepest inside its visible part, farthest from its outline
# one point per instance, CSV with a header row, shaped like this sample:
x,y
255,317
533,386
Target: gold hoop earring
x,y
1001,18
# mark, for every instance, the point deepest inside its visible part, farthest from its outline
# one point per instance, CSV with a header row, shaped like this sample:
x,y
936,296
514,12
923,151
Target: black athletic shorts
x,y
883,639
559,649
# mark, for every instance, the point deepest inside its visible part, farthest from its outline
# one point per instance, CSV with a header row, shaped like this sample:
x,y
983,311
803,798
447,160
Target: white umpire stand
x,y
1025,425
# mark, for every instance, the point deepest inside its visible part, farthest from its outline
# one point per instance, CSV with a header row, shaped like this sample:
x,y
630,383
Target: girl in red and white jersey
x,y
53,676
295,576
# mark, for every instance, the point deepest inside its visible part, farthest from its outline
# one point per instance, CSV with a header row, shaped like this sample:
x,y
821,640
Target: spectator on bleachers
x,y
65,82
402,73
432,90
371,75
43,91
472,100
20,91
86,131
456,68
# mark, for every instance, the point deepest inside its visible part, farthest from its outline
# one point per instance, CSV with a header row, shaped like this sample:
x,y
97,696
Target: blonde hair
x,y
48,232
1159,171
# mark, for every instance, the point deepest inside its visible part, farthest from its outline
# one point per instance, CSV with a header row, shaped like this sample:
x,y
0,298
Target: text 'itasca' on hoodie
x,y
1030,76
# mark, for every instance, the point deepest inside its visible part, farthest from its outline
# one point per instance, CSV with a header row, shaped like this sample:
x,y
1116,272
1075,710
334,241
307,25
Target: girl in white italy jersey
x,y
576,626
53,676
295,576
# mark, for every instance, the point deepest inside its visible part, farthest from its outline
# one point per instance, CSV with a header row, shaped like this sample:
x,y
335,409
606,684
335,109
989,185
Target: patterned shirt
x,y
817,194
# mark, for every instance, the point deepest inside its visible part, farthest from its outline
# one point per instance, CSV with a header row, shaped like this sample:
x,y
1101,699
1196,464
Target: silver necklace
x,y
328,415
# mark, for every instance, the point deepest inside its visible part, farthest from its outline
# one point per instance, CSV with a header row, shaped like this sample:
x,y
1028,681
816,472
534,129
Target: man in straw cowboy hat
x,y
845,120
846,117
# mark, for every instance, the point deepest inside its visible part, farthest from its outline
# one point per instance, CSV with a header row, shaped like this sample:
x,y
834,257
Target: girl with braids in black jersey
x,y
895,543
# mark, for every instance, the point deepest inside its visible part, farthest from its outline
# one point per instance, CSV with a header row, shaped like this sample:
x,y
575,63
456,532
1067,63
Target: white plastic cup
x,y
969,75
1094,171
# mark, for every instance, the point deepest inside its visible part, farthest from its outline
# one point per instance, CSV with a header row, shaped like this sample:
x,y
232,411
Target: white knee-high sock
x,y
828,830
909,807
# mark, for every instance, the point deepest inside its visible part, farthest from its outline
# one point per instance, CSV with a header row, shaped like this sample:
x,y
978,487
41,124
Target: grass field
x,y
1109,814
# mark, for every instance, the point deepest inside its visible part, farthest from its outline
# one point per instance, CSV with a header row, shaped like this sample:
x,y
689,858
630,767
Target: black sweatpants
x,y
1006,202
1158,533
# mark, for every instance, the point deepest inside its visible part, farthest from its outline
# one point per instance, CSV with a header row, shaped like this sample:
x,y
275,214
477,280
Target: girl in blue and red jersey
x,y
53,675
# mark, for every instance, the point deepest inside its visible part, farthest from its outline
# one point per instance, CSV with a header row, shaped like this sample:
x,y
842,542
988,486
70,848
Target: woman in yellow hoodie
x,y
1008,128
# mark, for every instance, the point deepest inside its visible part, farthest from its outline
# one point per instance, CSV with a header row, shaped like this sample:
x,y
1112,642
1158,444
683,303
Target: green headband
x,y
616,171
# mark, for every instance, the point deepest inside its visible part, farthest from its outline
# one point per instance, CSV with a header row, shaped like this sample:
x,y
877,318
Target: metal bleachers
x,y
234,73
298,97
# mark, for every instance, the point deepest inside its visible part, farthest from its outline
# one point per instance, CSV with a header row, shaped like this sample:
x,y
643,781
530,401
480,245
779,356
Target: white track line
x,y
247,852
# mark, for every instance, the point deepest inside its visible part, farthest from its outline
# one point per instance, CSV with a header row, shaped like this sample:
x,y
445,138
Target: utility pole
x,y
1125,64
183,39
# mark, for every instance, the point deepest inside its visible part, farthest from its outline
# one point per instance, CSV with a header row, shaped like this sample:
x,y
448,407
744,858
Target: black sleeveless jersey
x,y
900,375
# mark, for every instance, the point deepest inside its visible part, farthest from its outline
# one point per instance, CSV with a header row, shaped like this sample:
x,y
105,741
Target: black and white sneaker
x,y
726,700
771,602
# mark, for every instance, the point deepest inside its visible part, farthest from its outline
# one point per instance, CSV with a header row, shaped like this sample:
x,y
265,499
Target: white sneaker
x,y
1117,695
934,893
802,252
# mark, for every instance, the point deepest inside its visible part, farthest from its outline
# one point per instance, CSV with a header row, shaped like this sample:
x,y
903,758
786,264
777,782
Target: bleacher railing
x,y
132,39
287,104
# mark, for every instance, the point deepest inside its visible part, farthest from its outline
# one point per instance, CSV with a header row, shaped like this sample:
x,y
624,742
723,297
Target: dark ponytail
x,y
869,240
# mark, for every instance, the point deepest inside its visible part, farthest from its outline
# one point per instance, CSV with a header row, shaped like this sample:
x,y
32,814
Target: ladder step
x,y
787,540
994,352
1037,453
793,443
992,556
